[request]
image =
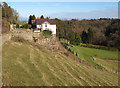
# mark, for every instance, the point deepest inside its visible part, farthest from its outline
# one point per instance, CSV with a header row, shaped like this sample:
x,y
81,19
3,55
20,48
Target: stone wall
x,y
29,35
24,33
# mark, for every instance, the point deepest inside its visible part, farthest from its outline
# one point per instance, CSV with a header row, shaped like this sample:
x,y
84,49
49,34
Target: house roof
x,y
40,21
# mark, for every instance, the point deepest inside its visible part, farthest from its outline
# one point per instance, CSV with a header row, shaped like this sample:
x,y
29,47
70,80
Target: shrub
x,y
47,33
69,50
76,54
29,26
98,47
65,47
17,25
26,26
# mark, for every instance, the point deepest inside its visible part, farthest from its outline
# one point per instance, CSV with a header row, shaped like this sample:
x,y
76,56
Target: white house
x,y
46,24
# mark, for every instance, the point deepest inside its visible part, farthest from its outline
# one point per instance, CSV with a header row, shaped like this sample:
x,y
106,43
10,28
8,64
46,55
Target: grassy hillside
x,y
104,58
25,64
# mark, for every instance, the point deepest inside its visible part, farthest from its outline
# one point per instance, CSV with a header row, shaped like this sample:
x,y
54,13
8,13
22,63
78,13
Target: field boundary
x,y
108,60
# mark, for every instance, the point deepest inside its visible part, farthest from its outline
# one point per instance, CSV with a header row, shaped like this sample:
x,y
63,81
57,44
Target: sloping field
x,y
104,58
28,65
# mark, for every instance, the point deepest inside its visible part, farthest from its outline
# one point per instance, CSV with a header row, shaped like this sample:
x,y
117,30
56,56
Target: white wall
x,y
53,29
38,26
49,27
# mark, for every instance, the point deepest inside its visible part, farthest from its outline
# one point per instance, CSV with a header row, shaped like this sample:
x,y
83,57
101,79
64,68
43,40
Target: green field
x,y
104,58
27,65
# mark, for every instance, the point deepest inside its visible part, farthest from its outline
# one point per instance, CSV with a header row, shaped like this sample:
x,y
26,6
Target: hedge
x,y
98,47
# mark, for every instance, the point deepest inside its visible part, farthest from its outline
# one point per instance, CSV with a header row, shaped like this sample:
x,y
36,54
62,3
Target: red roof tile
x,y
40,21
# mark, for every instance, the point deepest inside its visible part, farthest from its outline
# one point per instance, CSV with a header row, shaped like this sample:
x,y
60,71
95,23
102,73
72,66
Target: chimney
x,y
38,17
49,17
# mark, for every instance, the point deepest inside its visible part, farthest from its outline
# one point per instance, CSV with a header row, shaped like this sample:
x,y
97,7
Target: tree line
x,y
103,31
31,22
9,16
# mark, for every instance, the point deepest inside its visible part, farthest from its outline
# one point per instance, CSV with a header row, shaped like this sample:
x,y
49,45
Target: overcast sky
x,y
67,10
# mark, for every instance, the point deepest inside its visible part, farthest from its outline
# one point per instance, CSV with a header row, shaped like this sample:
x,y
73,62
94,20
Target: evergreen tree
x,y
90,35
72,38
42,17
31,17
78,40
84,37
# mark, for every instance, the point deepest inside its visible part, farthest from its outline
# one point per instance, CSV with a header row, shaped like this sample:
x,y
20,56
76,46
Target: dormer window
x,y
45,24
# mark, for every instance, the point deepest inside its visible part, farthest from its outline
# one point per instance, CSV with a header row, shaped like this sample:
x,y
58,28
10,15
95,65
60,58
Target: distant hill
x,y
23,19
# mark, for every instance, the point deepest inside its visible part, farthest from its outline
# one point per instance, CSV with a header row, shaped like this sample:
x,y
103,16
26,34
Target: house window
x,y
45,24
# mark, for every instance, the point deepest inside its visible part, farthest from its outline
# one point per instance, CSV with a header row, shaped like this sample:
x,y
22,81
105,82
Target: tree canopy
x,y
31,17
9,13
103,31
9,16
42,17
